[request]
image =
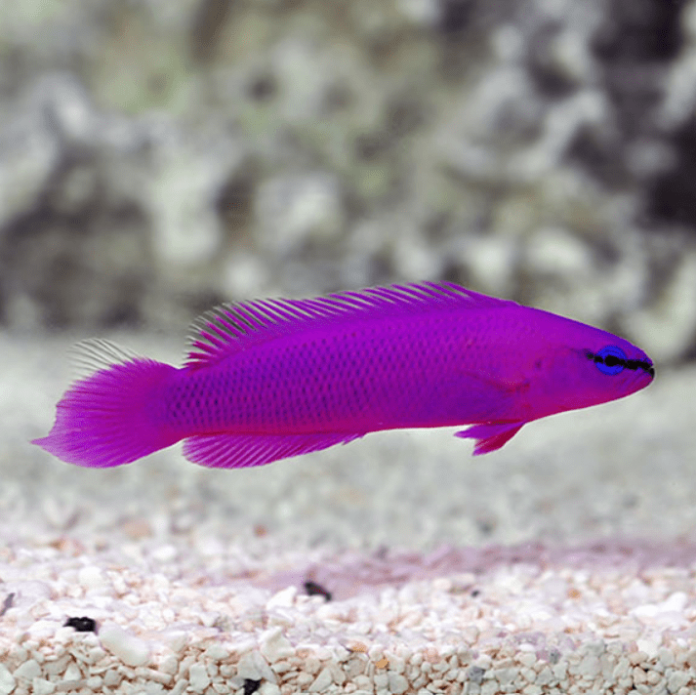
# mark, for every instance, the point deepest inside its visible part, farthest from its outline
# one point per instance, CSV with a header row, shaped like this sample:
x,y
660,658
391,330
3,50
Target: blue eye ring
x,y
610,360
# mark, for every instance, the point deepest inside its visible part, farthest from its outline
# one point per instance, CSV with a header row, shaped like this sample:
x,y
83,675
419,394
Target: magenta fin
x,y
491,436
105,419
242,450
227,329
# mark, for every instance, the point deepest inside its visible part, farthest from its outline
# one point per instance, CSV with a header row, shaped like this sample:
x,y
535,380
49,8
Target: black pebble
x,y
251,686
314,589
83,624
7,604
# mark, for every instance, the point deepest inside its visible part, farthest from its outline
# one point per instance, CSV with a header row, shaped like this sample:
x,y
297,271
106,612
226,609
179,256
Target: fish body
x,y
271,379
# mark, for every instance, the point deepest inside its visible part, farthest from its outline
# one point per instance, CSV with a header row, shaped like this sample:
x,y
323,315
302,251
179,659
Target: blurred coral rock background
x,y
156,158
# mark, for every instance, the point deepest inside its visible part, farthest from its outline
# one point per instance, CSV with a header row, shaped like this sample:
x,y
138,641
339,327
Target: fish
x,y
270,379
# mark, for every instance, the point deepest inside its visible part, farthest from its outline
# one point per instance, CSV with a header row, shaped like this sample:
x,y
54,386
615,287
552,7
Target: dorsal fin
x,y
229,328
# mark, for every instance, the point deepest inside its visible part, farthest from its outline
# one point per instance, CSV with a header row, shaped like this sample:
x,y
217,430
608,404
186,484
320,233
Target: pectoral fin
x,y
491,435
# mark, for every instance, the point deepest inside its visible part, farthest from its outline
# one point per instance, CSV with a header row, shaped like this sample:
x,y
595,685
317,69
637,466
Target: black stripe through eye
x,y
611,361
641,364
615,361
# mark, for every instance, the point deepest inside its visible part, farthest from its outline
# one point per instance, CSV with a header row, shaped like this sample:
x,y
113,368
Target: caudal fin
x,y
110,417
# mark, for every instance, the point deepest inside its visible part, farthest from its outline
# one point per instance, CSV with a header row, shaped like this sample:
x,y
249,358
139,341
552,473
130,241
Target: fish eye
x,y
610,360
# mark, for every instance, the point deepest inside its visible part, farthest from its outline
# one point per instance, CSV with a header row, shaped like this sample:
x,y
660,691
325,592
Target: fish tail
x,y
110,417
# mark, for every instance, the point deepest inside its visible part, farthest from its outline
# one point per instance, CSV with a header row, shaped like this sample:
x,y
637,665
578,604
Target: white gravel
x,y
565,563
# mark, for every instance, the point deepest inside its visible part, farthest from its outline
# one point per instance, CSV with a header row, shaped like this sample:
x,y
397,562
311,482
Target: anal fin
x,y
491,435
243,450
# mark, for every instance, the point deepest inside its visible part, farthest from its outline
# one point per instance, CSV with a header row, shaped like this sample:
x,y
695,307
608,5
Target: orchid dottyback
x,y
275,378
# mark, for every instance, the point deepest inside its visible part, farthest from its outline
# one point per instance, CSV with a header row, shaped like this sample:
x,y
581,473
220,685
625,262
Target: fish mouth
x,y
645,365
639,375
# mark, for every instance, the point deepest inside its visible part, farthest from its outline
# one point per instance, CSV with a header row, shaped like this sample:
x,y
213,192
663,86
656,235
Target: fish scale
x,y
272,379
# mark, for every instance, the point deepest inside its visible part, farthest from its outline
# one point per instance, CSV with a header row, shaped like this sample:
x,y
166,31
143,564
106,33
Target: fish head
x,y
576,366
591,367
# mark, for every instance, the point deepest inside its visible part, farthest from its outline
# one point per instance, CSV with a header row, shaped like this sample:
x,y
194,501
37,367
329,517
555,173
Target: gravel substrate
x,y
602,619
564,564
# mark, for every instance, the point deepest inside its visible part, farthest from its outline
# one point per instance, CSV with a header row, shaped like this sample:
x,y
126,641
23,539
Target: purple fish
x,y
270,379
